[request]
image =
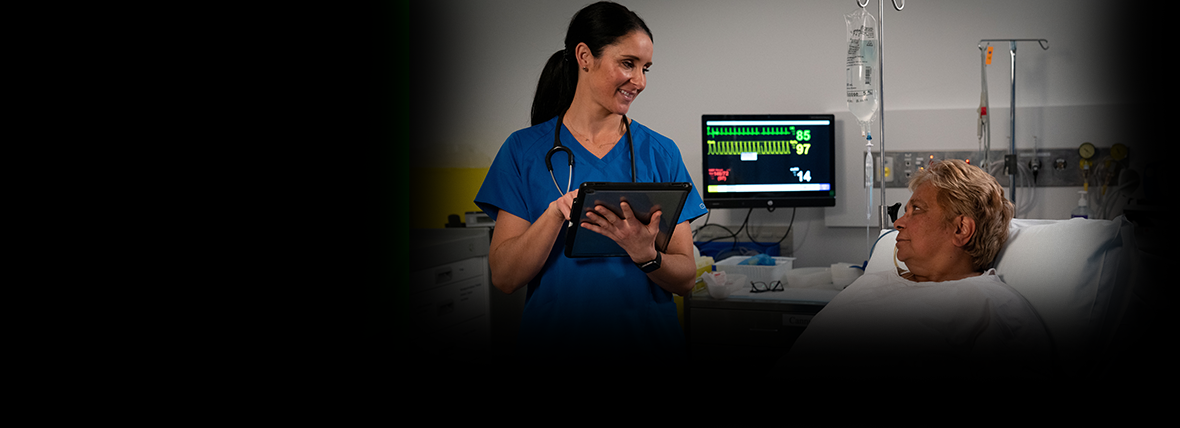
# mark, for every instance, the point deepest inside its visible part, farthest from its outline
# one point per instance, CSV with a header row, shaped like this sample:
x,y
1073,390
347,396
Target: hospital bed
x,y
1089,282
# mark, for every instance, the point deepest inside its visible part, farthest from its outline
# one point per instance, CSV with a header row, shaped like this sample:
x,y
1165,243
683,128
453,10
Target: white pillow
x,y
1067,270
882,257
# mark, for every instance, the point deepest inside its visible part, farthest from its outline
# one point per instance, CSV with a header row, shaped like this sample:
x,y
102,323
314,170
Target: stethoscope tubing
x,y
557,147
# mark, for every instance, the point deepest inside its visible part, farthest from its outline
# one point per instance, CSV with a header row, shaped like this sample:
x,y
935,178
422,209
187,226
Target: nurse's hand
x,y
563,205
636,238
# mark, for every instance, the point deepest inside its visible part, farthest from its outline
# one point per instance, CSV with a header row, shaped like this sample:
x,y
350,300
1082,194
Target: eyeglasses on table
x,y
762,287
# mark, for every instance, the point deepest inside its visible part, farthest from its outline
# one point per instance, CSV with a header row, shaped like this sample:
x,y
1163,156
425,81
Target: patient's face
x,y
923,232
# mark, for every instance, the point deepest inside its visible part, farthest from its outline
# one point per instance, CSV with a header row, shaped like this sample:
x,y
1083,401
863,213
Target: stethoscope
x,y
557,147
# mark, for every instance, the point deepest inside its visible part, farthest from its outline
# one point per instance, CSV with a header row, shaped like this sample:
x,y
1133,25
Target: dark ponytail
x,y
555,90
598,25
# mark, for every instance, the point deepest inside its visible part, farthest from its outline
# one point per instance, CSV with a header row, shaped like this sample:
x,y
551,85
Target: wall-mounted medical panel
x,y
1040,168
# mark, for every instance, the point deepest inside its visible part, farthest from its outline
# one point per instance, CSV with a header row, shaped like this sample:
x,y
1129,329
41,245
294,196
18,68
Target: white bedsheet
x,y
883,324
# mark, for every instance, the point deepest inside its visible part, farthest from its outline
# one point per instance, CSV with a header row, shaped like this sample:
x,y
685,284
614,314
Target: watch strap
x,y
651,265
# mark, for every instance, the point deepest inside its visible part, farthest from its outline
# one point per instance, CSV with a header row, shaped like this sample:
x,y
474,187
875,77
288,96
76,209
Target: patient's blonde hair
x,y
967,190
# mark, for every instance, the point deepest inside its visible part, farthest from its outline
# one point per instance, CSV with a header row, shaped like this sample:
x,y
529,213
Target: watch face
x,y
1086,150
650,266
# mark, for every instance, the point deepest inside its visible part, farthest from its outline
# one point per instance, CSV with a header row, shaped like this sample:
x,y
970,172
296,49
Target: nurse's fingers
x,y
594,228
626,209
653,226
607,214
565,203
596,222
632,221
633,226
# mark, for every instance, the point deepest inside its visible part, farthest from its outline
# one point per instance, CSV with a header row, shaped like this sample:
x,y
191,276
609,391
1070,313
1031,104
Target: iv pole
x,y
881,210
1010,159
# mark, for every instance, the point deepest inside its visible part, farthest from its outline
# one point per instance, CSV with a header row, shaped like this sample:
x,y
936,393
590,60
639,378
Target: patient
x,y
948,315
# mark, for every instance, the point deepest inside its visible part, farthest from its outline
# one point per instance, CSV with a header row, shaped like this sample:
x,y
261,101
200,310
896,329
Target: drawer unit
x,y
449,304
439,276
449,292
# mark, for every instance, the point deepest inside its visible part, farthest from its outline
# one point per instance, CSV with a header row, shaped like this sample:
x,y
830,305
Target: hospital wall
x,y
474,67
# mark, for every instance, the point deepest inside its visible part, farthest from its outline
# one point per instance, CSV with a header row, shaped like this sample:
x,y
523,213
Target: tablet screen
x,y
645,200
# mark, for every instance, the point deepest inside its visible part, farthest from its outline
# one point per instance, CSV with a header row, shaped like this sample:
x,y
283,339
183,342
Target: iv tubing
x,y
869,191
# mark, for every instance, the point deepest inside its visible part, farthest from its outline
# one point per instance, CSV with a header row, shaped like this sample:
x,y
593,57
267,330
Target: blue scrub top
x,y
603,306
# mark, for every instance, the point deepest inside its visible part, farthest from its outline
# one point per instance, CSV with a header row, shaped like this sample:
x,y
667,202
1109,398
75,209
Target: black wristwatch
x,y
650,266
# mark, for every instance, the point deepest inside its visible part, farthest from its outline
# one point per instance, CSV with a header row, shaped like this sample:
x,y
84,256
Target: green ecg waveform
x,y
787,131
785,147
714,131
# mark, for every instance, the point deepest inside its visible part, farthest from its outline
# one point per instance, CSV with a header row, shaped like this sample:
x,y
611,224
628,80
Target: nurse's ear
x,y
964,230
584,56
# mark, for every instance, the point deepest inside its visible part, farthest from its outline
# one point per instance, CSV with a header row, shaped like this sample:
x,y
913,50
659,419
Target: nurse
x,y
616,310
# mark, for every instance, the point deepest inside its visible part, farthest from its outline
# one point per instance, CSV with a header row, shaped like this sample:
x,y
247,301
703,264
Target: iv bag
x,y
862,58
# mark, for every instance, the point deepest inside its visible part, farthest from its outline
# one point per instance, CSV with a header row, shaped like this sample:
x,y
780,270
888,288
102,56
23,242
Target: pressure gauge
x,y
1118,151
1086,150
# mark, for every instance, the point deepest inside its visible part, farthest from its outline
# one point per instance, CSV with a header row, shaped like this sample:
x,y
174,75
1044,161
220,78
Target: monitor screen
x,y
768,160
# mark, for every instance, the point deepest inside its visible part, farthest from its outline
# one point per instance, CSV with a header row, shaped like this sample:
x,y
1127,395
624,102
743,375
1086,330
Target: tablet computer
x,y
644,198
